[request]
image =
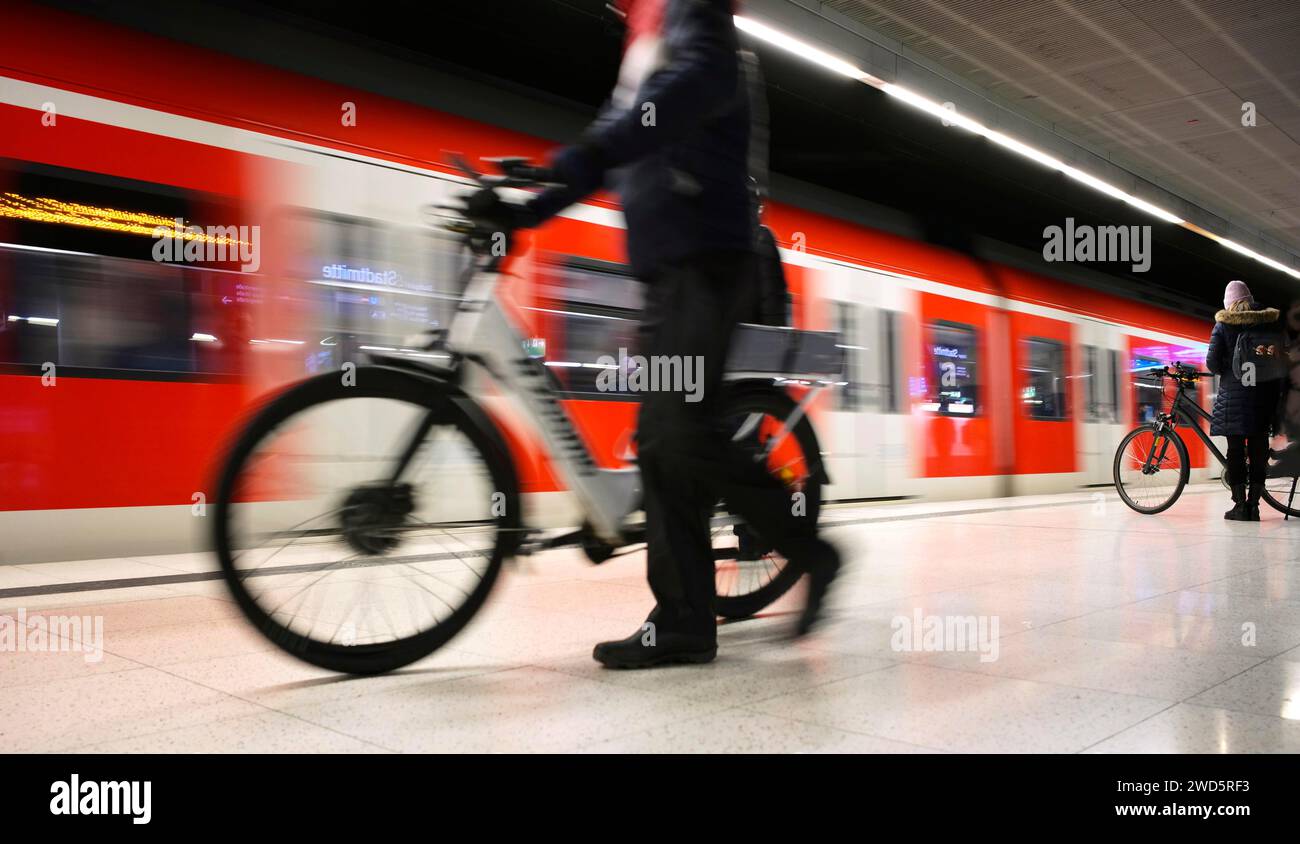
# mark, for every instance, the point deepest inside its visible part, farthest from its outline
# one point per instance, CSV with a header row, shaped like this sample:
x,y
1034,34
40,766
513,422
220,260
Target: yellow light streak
x,y
44,209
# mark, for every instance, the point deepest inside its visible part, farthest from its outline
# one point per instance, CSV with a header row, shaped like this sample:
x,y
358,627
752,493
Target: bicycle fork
x,y
1153,457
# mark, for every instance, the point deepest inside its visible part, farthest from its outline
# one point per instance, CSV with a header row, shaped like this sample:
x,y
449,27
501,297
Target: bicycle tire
x,y
1278,505
381,383
770,400
1184,470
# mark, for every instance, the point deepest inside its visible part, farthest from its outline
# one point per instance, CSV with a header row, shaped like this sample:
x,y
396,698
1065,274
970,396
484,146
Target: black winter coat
x,y
683,180
1239,410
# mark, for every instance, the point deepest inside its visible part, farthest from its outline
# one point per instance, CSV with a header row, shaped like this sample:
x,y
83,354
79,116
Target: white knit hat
x,y
1235,292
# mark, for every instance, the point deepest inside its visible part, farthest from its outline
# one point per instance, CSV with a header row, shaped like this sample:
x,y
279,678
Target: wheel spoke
x,y
326,551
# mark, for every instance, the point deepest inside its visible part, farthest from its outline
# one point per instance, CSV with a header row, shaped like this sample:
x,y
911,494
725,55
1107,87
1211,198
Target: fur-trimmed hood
x,y
1264,315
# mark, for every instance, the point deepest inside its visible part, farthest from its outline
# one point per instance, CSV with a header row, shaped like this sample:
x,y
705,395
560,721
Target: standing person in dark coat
x,y
1244,408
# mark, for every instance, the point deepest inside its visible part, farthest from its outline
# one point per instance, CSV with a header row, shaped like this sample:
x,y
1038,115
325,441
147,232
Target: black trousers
x,y
688,462
1247,459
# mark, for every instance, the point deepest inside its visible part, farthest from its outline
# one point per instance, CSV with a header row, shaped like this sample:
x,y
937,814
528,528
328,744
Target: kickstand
x,y
1291,499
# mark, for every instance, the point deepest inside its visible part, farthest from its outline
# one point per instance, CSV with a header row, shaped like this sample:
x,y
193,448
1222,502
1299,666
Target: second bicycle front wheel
x,y
1282,489
1151,469
336,556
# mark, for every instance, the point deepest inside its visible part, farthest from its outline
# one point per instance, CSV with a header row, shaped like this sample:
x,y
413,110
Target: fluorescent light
x,y
777,38
1110,190
940,111
1024,149
200,337
952,118
34,320
841,66
1263,259
273,340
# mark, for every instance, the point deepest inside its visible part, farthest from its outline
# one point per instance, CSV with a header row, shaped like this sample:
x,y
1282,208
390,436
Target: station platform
x,y
1090,629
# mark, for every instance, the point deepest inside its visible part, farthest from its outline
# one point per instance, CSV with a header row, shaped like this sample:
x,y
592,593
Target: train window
x,y
1100,385
84,287
870,359
1091,385
850,396
1116,378
590,312
889,380
1148,390
1042,391
954,390
377,282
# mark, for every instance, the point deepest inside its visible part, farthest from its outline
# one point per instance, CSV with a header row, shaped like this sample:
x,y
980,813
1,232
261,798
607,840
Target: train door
x,y
1044,419
1099,373
863,430
960,385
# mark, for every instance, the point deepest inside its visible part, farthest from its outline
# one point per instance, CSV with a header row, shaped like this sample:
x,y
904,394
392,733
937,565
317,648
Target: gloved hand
x,y
578,167
489,211
578,170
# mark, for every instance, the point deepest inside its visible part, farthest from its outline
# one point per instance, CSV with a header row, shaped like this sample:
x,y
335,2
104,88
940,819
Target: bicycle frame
x,y
1187,411
482,333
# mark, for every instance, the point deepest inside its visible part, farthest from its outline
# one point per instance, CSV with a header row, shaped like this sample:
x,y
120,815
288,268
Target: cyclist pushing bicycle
x,y
676,130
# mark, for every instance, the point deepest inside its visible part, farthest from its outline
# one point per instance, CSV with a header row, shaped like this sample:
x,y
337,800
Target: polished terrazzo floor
x,y
1115,633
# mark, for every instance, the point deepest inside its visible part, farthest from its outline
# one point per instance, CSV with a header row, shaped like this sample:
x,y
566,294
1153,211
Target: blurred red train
x,y
121,376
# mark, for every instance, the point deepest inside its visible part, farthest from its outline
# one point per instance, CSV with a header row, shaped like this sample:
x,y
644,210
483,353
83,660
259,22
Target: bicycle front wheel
x,y
337,557
1151,469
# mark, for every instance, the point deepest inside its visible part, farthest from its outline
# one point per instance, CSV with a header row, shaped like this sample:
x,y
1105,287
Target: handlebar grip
x,y
531,173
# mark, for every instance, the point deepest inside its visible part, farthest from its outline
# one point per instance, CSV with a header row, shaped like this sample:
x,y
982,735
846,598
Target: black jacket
x,y
1239,410
683,181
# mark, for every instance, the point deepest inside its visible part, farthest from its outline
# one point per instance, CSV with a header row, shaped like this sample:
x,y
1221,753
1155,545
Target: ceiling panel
x,y
1155,85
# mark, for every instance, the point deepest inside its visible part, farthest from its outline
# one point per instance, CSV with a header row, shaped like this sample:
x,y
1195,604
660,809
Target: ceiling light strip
x,y
951,117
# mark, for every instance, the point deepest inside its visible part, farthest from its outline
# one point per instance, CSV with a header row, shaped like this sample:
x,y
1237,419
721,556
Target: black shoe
x,y
1238,512
820,575
1252,502
648,647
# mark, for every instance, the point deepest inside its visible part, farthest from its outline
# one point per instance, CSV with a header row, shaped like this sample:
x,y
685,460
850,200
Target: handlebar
x,y
516,172
483,216
1181,373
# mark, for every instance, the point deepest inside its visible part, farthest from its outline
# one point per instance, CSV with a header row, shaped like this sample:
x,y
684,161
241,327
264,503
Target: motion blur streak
x,y
121,377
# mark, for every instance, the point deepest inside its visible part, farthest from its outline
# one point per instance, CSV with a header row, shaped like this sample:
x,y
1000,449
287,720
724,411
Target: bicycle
x,y
1149,478
335,549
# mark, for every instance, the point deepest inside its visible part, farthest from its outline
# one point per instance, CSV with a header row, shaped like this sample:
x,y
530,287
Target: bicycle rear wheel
x,y
1281,487
1151,469
333,558
749,575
